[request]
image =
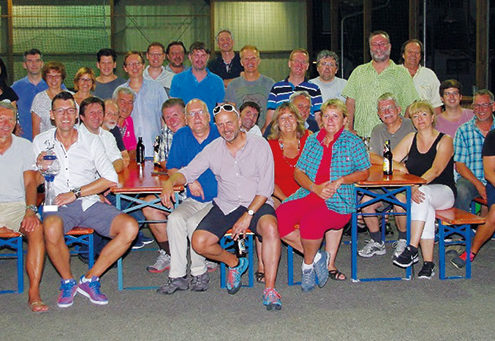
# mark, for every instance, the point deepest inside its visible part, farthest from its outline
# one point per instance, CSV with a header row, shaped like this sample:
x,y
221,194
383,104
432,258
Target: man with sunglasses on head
x,y
198,81
243,165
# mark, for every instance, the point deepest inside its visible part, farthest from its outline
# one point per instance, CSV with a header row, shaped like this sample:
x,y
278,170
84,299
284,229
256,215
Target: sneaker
x,y
200,283
138,245
271,299
427,270
211,265
91,289
321,268
234,276
68,289
406,258
308,280
372,248
400,246
145,240
173,284
162,263
460,261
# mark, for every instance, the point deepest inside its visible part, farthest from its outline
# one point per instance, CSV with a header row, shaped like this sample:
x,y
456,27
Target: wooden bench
x,y
227,243
455,221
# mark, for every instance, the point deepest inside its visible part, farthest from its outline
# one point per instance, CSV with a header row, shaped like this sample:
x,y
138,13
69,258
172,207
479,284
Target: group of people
x,y
206,125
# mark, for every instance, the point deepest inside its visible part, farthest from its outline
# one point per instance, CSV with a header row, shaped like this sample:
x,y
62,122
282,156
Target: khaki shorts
x,y
11,214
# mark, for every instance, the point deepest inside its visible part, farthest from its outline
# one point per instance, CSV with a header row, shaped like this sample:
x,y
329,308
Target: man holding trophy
x,y
84,171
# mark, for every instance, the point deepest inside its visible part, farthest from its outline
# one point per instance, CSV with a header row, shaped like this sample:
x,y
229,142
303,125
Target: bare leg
x,y
267,228
371,221
259,245
427,246
206,244
310,247
484,232
294,240
159,230
332,244
55,246
416,232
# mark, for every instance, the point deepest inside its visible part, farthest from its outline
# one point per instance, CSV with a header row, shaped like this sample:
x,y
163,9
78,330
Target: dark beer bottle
x,y
387,159
140,151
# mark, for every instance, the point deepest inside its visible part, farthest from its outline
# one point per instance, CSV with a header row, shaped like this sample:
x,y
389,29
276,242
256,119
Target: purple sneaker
x,y
91,289
68,289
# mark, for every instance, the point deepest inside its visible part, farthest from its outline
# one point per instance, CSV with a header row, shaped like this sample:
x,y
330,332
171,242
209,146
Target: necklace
x,y
291,162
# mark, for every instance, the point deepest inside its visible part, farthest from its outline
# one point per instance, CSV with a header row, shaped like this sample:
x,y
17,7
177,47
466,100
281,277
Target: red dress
x,y
284,167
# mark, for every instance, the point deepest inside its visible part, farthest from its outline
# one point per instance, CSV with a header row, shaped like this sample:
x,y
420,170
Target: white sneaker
x,y
400,245
162,263
372,248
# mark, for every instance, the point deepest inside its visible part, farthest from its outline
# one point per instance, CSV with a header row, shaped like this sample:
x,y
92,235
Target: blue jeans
x,y
466,192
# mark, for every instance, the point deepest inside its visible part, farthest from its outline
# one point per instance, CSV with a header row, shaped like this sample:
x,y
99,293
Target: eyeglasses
x,y
482,106
194,113
54,76
156,54
134,64
329,64
224,107
85,80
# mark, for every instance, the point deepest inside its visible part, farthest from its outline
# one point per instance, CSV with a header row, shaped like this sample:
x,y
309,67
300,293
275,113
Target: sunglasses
x,y
225,107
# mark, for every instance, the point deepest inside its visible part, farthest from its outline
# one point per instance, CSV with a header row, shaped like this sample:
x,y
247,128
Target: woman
x,y
454,115
429,155
332,160
6,92
54,75
84,84
287,138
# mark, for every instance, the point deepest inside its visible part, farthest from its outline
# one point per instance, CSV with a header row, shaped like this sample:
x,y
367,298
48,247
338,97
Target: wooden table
x,y
390,186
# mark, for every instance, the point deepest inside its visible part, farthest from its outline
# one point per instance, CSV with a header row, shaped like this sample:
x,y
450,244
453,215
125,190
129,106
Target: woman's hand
x,y
416,195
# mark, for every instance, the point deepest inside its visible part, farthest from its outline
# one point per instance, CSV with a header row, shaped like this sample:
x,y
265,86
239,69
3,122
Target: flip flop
x,y
260,277
336,275
38,307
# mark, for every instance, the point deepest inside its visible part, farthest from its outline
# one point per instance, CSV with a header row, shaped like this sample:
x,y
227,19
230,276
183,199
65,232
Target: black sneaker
x,y
426,271
406,258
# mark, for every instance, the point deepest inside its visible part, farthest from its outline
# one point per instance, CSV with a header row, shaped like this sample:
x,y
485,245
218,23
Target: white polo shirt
x,y
108,141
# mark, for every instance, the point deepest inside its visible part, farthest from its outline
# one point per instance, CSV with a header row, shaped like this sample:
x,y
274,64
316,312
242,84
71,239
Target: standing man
x,y
425,80
26,88
228,64
296,81
107,81
18,200
249,112
155,70
327,65
198,81
176,52
243,165
369,81
150,96
85,171
251,85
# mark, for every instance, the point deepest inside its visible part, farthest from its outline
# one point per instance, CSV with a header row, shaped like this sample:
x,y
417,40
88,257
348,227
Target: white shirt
x,y
255,130
108,140
330,90
427,85
84,162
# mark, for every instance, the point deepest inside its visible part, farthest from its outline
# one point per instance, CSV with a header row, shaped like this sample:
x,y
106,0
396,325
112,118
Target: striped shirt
x,y
468,145
365,85
348,156
282,90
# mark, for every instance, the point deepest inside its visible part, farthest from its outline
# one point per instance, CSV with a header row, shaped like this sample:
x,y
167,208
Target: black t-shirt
x,y
9,93
224,71
118,138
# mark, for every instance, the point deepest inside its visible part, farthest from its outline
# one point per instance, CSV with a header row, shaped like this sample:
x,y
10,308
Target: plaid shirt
x,y
348,156
468,144
166,136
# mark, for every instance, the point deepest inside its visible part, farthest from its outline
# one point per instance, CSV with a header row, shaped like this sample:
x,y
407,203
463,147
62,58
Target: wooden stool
x,y
227,243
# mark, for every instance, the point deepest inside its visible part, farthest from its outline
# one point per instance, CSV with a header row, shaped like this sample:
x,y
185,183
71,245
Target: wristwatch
x,y
250,212
32,208
77,192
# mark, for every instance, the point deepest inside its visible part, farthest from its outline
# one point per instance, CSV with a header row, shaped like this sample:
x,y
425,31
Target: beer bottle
x,y
387,158
140,151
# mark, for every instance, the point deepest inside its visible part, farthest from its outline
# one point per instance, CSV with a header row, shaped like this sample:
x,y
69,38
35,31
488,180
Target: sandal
x,y
260,277
336,275
38,307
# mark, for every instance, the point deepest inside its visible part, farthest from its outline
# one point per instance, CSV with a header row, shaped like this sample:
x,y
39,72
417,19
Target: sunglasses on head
x,y
225,107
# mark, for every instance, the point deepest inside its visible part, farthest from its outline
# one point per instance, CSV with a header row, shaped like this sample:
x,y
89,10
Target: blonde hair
x,y
275,129
422,106
84,71
334,103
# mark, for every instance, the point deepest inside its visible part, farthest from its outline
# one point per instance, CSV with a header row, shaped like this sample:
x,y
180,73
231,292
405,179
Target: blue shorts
x,y
98,216
490,194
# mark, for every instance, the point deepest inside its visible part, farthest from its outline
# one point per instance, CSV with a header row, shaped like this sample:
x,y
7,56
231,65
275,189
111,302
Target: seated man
x,y
182,222
250,112
394,127
110,120
85,171
243,166
18,199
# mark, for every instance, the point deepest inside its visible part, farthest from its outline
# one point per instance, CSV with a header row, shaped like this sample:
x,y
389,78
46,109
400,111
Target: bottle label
x,y
386,165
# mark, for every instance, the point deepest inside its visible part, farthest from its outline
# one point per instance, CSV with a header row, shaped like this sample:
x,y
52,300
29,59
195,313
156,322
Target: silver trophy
x,y
49,167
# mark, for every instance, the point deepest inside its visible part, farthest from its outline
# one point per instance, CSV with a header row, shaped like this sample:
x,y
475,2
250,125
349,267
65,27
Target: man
x,y
182,222
155,70
296,81
26,88
251,85
150,96
468,144
394,127
369,81
484,232
249,112
327,65
198,81
124,97
85,171
243,165
425,80
107,81
176,51
110,120
18,200
228,64
174,118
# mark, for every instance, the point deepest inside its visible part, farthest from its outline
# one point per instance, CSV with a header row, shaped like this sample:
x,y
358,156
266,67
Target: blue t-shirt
x,y
210,90
184,148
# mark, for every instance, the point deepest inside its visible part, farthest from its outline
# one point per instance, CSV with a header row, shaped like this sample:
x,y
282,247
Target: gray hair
x,y
327,54
300,93
385,97
484,92
8,105
125,90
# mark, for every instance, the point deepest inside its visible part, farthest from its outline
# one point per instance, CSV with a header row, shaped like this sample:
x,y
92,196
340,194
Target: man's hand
x,y
65,198
196,189
30,222
167,196
481,189
241,226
